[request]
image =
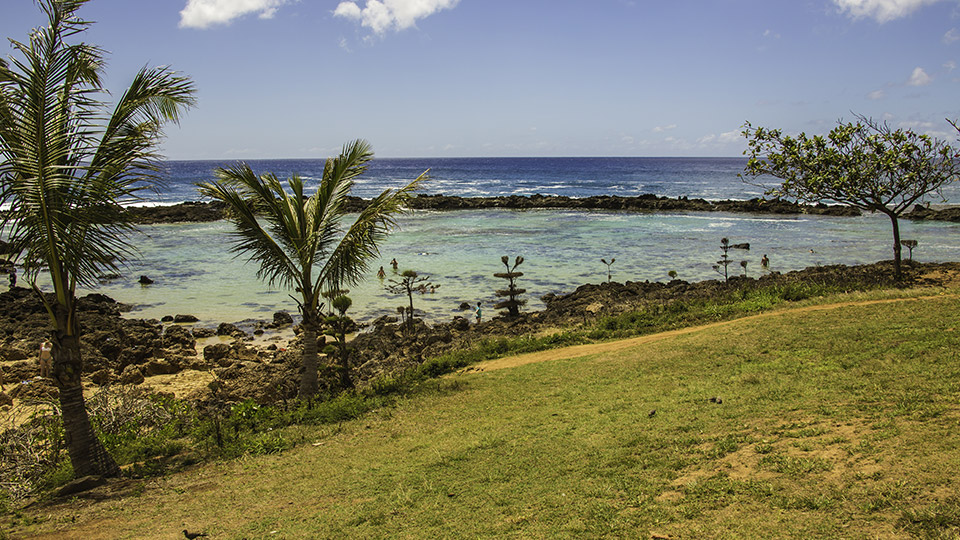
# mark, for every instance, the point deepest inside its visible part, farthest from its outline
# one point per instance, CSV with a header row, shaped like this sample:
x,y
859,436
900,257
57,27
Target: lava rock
x,y
216,352
178,337
282,318
131,375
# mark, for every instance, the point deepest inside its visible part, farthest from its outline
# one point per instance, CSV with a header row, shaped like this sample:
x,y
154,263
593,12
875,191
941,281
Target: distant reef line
x,y
213,211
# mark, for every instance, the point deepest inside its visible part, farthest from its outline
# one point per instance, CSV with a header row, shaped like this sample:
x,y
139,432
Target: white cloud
x,y
661,129
383,15
917,125
881,10
876,94
729,136
726,137
205,13
951,36
919,77
949,65
771,34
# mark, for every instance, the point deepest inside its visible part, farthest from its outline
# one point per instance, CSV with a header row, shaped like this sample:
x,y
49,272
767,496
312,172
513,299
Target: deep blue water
x,y
709,178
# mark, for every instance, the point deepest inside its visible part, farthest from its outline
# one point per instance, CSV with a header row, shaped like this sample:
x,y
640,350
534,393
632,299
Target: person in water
x,y
394,264
381,274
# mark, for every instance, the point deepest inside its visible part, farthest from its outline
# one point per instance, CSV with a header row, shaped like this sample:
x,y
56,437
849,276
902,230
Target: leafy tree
x,y
409,283
909,244
512,292
865,164
299,241
67,162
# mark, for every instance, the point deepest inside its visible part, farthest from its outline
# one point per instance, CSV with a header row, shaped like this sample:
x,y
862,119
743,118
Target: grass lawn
x,y
827,424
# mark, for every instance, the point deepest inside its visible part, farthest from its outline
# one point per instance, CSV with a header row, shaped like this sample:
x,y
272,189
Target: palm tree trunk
x,y
309,382
87,454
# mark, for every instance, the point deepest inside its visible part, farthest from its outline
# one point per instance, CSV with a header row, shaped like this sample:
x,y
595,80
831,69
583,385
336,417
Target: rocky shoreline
x,y
204,212
232,367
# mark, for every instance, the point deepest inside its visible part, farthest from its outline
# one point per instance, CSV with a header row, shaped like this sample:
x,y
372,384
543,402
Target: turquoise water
x,y
195,273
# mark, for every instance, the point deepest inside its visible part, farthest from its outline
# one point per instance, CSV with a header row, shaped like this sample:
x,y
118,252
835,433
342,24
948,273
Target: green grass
x,y
836,423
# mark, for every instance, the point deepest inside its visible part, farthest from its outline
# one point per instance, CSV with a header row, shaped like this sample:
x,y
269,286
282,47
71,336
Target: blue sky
x,y
438,78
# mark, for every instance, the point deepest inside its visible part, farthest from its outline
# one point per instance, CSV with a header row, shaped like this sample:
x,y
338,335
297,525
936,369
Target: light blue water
x,y
195,273
461,251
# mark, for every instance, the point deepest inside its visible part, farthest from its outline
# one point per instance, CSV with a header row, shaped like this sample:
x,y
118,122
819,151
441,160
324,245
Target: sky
x,y
464,78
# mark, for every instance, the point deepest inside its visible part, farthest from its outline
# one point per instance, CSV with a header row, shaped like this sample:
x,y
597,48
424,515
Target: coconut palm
x,y
67,161
300,242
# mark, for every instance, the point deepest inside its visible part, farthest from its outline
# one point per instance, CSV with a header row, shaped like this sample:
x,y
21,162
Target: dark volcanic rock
x,y
202,212
178,213
646,202
923,213
203,332
282,318
229,329
160,367
103,377
216,352
178,337
43,389
132,375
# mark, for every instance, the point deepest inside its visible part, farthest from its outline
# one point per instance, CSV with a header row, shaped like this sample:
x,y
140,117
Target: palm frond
x,y
66,163
361,243
248,197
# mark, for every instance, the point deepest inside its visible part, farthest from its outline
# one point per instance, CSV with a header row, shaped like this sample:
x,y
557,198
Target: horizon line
x,y
453,157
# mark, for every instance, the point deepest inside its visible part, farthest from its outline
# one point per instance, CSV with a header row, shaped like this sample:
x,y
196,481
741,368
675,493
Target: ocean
x,y
195,273
708,178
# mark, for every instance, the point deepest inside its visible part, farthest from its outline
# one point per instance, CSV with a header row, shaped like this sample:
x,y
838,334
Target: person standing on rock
x,y
479,313
46,359
13,278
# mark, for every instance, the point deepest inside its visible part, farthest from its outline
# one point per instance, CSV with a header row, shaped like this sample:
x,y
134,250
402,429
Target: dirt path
x,y
577,351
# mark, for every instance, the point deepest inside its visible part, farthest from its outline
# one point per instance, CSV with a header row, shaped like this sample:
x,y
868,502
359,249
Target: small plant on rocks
x,y
512,292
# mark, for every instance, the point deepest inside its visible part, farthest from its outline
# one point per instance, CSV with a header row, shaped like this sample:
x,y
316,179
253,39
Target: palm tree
x,y
67,162
300,242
